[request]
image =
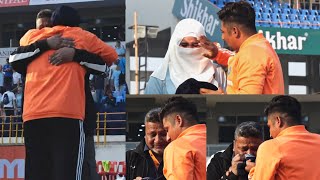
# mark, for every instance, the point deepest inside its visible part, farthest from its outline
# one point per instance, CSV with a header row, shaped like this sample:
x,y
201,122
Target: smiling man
x,y
146,160
185,156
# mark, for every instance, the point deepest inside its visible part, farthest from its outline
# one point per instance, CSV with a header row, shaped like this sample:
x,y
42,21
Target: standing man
x,y
1,80
7,69
9,103
65,55
146,161
43,109
224,165
185,157
255,68
293,151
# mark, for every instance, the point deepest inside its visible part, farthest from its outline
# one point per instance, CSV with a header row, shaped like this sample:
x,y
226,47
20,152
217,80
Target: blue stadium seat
x,y
258,9
295,11
267,4
302,17
277,10
285,5
220,3
305,24
295,24
276,4
267,10
315,25
275,16
284,17
304,12
276,23
266,20
258,4
293,17
312,18
313,12
286,11
286,23
258,16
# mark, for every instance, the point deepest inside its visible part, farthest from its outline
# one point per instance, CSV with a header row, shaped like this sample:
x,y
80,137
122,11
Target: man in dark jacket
x,y
146,160
231,164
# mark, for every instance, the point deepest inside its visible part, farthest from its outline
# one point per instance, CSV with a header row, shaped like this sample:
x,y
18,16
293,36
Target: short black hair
x,y
65,16
153,116
287,105
184,107
240,13
44,13
248,129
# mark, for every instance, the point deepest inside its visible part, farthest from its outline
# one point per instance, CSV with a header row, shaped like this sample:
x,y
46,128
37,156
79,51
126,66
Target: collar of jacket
x,y
227,154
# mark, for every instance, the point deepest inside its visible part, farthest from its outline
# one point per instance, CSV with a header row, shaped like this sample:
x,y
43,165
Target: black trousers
x,y
54,149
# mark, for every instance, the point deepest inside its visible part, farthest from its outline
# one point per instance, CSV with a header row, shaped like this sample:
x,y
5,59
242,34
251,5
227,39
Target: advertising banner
x,y
12,162
42,2
202,11
12,3
293,41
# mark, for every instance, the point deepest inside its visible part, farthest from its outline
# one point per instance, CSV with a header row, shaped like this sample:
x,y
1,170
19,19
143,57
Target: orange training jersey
x,y
255,69
58,91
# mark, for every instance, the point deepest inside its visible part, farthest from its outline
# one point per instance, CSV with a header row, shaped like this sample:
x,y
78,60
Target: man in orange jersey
x,y
185,156
255,68
23,55
293,153
54,104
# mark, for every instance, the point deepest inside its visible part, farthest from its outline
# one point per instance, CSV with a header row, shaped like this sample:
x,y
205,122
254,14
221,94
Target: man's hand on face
x,y
212,49
249,165
61,56
235,161
57,42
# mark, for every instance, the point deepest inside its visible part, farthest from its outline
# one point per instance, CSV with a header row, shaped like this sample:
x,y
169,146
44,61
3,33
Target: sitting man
x,y
146,160
229,164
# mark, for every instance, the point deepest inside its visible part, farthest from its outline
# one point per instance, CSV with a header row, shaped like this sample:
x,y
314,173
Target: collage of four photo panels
x,y
200,89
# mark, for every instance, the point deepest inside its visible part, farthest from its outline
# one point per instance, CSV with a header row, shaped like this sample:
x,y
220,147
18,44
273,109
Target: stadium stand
x,y
277,14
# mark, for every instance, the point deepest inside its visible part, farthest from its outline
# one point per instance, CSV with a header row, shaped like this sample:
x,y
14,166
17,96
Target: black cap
x,y
192,86
65,16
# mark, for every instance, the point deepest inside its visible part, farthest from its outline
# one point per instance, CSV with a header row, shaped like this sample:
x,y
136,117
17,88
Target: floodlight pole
x,y
136,52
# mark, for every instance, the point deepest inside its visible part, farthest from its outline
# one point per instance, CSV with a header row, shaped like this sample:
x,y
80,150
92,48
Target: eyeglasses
x,y
191,45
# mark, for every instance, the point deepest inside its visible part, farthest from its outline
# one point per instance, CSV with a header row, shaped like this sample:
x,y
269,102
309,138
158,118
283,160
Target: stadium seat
x,y
275,16
258,9
312,18
314,12
286,5
266,20
286,11
276,4
305,24
295,11
276,23
315,25
295,24
302,17
284,17
220,3
277,10
213,1
286,23
267,10
304,12
293,17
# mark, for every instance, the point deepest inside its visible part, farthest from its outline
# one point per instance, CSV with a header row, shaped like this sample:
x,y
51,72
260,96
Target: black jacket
x,y
140,164
220,164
